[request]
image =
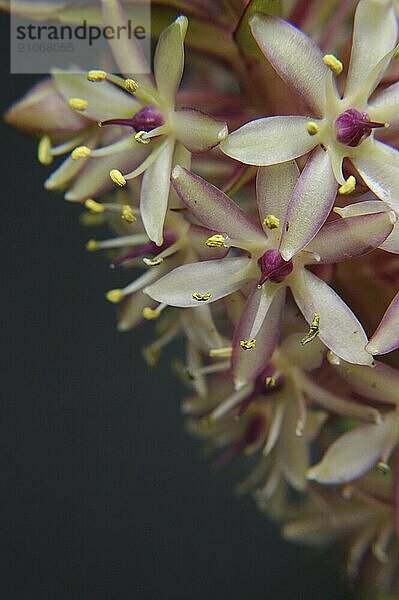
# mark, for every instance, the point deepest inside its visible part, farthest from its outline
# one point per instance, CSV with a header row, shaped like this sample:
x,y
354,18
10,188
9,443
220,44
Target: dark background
x,y
104,495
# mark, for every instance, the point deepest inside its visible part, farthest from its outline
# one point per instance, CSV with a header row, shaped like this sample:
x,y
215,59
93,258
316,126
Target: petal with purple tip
x,y
169,59
260,320
270,140
374,35
295,57
339,329
213,208
198,131
346,238
155,192
380,383
386,337
310,204
215,277
355,452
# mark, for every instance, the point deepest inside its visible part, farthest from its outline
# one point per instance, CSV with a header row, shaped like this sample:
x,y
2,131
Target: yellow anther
x,y
96,75
127,214
396,53
78,103
152,262
151,313
313,331
94,206
221,352
44,151
333,63
312,128
140,137
215,241
131,85
117,177
92,245
383,467
349,186
248,344
80,152
207,422
201,297
270,383
271,222
115,296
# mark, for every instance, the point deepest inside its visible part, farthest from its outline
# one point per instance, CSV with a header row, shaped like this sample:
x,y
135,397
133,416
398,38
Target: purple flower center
x,y
147,119
273,267
353,126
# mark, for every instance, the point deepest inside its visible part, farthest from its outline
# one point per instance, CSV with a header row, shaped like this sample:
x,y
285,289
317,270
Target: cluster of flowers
x,y
279,366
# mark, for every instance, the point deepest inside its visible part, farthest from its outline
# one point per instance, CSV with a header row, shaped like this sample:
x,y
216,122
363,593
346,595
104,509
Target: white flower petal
x,y
274,187
217,277
386,337
198,131
385,106
293,449
295,57
105,101
310,204
155,192
270,141
374,35
355,452
260,320
378,164
169,59
339,328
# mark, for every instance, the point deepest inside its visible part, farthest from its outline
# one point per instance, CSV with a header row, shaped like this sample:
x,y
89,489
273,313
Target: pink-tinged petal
x,y
94,179
169,59
260,320
105,101
213,208
274,187
155,192
127,52
391,244
339,329
215,277
269,141
385,106
374,35
378,164
380,383
355,452
198,131
346,238
43,111
310,204
386,337
295,57
335,403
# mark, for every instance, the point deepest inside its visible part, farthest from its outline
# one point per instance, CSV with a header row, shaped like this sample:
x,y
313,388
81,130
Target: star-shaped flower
x,y
276,256
344,126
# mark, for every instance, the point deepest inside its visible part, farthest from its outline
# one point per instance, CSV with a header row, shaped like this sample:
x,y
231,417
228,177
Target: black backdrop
x,y
104,496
